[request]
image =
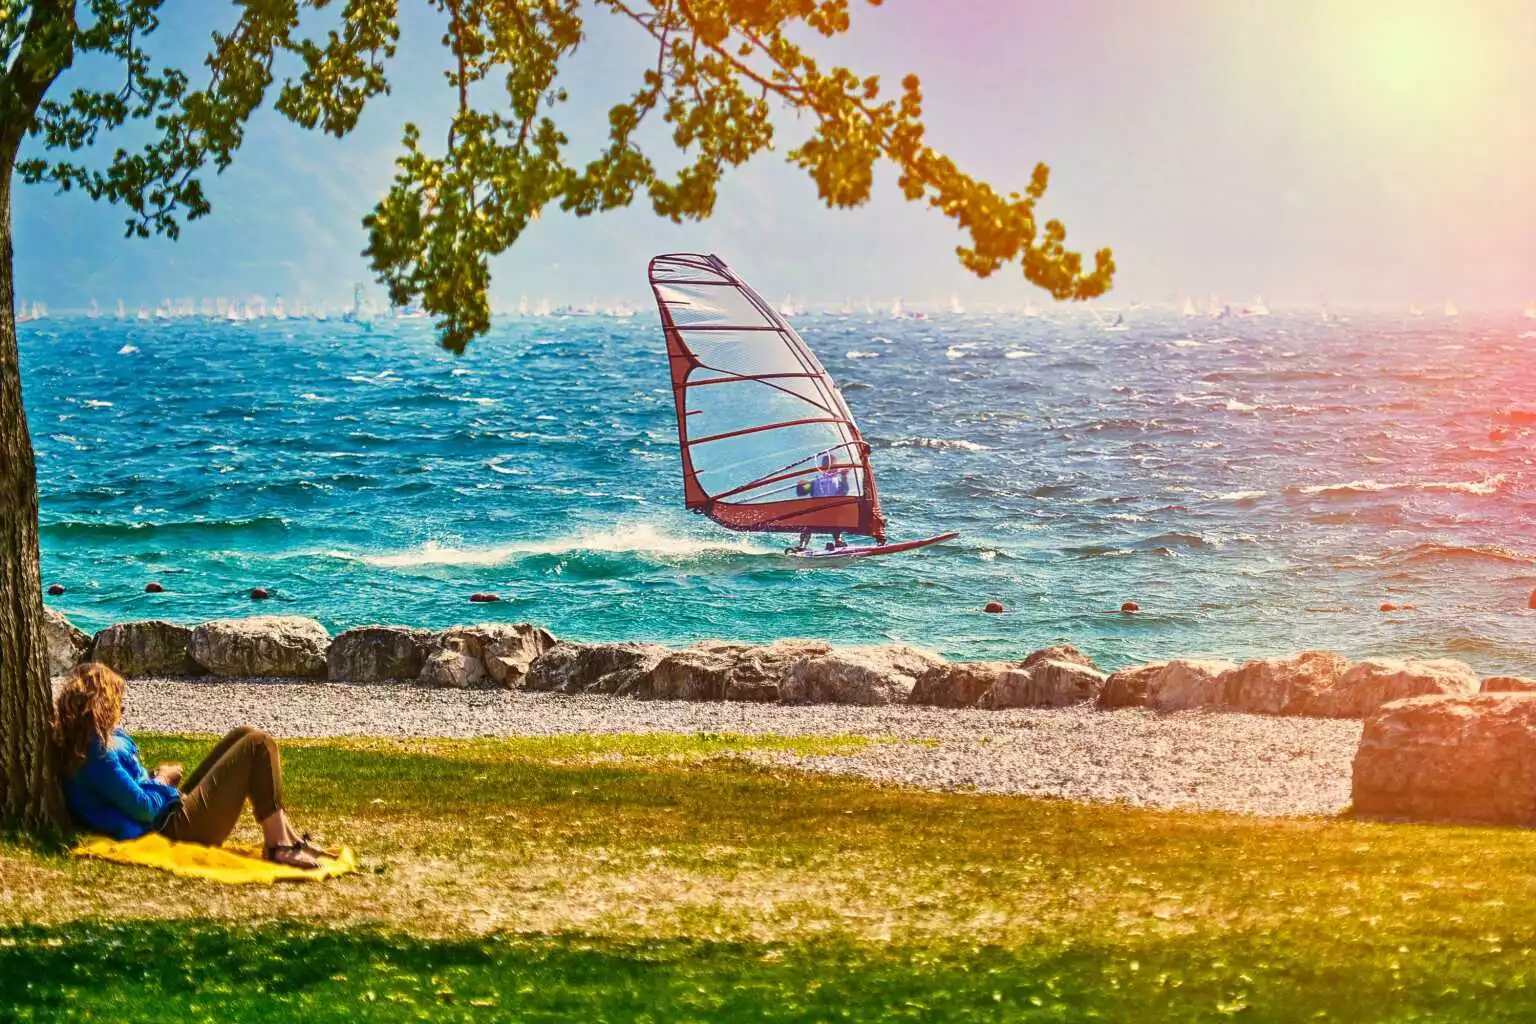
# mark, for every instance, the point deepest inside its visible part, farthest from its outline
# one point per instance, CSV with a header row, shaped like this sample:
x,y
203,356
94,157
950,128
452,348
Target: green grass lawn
x,y
670,878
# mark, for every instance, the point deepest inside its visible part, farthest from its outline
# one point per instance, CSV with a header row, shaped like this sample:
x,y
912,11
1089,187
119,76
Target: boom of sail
x,y
761,426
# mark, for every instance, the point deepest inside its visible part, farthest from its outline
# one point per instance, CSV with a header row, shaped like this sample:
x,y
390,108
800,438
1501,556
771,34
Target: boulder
x,y
1187,683
1059,652
592,668
151,648
277,646
1449,758
506,649
66,644
884,674
698,673
1283,686
760,670
1508,684
1376,681
1129,687
959,684
454,666
1045,684
373,654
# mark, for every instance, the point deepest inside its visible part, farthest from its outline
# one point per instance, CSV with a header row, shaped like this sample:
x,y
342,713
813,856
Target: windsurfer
x,y
830,482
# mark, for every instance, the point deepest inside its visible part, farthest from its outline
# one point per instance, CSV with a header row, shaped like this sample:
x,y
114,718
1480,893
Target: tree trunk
x,y
29,793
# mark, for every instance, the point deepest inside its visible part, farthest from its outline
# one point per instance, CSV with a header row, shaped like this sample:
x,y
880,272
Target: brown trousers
x,y
243,764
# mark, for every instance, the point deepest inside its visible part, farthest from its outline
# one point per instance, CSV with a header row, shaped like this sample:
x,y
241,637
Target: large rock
x,y
760,670
593,668
150,648
1508,684
1376,681
66,644
454,666
1451,758
505,649
699,673
1186,683
277,646
1045,684
372,654
1059,652
959,684
1129,687
1283,686
884,674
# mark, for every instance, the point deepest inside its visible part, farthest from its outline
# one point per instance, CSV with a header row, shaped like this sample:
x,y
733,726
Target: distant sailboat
x,y
1031,310
1257,308
1450,309
954,305
522,306
898,309
279,310
1328,316
542,309
122,311
1530,311
94,310
1414,310
1189,307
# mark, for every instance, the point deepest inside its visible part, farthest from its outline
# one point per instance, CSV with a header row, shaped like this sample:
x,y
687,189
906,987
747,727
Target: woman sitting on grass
x,y
107,790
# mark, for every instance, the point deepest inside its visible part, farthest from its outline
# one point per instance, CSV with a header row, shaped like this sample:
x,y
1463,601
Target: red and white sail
x,y
756,411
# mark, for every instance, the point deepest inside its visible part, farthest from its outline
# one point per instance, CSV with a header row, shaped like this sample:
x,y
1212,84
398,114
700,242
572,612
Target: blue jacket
x,y
830,484
111,793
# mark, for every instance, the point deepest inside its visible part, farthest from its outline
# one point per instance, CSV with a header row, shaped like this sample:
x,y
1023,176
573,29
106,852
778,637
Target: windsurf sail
x,y
767,441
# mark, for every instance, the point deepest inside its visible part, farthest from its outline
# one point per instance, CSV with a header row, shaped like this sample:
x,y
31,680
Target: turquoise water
x,y
1258,486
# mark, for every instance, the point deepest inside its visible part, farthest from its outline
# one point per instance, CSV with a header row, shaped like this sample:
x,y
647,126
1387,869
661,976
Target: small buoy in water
x,y
58,588
1498,434
259,594
484,598
153,588
1130,606
993,606
1533,599
1390,607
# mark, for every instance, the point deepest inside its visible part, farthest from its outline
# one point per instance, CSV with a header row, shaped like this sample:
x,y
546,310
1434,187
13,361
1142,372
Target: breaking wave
x,y
642,539
940,443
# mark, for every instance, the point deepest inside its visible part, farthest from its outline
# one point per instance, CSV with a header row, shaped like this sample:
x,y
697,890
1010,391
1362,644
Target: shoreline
x,y
1199,760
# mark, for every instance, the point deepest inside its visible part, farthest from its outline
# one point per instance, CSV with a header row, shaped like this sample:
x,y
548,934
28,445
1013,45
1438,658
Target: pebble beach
x,y
1248,764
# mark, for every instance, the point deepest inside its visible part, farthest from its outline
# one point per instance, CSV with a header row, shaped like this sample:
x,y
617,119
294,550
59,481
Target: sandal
x,y
315,849
293,855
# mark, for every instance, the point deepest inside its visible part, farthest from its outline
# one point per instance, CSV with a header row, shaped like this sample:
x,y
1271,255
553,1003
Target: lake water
x,y
1259,486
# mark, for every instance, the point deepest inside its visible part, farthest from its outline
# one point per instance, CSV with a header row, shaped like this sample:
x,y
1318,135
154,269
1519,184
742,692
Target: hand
x,y
170,774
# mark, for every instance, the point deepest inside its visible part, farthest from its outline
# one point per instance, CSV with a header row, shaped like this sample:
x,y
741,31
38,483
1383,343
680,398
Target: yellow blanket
x,y
238,865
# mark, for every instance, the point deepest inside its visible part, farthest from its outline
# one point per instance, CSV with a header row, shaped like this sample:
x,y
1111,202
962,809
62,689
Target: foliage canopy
x,y
720,68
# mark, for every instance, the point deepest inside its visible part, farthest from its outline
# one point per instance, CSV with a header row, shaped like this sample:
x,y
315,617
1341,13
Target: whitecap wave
x,y
1240,495
955,352
941,443
1481,488
642,539
1019,353
863,355
127,350
95,403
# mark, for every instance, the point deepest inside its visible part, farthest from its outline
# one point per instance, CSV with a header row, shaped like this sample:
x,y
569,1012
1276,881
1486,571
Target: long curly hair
x,y
90,704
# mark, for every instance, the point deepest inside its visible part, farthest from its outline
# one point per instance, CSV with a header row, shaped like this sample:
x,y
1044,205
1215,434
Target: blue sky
x,y
1348,151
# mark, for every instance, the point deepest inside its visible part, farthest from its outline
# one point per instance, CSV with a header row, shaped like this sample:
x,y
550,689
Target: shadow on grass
x,y
206,970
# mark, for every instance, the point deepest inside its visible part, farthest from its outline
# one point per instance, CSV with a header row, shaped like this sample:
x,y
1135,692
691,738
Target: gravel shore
x,y
1246,763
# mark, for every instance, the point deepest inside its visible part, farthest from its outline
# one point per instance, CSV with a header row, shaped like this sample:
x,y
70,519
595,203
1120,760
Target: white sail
x,y
1450,309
